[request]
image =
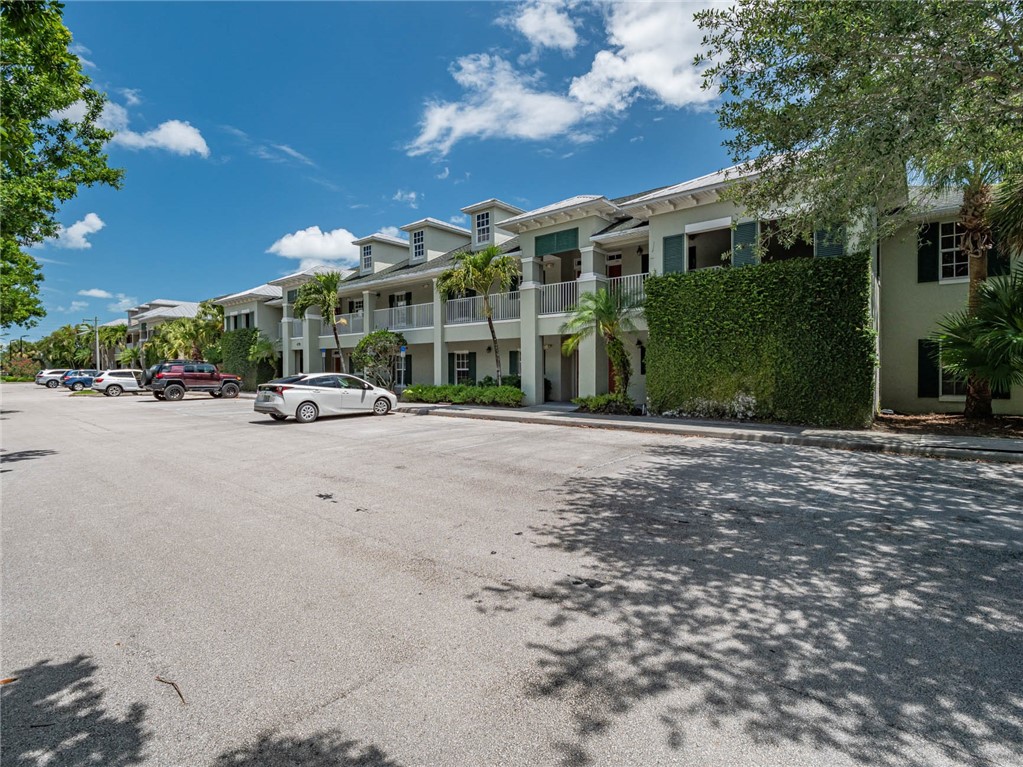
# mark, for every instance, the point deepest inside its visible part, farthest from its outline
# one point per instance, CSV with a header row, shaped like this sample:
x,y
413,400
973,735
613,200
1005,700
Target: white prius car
x,y
307,396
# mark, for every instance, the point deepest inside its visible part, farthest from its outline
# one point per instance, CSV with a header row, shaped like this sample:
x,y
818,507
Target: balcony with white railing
x,y
632,284
461,311
350,323
557,297
294,328
404,317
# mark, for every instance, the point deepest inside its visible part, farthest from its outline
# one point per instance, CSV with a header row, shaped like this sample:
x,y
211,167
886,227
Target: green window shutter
x,y
567,239
927,253
472,368
675,254
928,374
451,367
1000,393
513,363
408,370
545,244
997,262
390,301
408,298
744,238
829,244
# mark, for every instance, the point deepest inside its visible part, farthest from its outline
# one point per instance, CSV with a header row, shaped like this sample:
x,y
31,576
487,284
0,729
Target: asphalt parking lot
x,y
412,590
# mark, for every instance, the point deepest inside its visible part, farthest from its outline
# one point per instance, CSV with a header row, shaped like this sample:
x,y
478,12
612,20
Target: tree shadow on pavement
x,y
850,603
324,749
24,455
54,714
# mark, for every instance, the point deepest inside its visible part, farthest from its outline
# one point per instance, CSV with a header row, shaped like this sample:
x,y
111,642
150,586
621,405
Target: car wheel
x,y
158,395
77,386
173,392
51,384
230,391
113,391
381,406
215,394
278,416
307,413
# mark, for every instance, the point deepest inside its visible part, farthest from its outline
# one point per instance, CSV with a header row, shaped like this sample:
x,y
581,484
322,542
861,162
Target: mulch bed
x,y
1010,426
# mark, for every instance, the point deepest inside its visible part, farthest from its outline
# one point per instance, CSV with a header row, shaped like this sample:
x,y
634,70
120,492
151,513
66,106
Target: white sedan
x,y
309,395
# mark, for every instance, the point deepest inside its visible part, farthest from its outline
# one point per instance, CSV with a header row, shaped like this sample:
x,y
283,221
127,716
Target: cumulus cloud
x,y
132,96
177,136
393,231
96,293
73,237
313,246
500,102
123,303
648,54
460,220
544,23
75,306
410,197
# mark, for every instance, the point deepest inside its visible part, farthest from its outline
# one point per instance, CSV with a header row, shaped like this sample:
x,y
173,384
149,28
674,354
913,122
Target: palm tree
x,y
111,339
480,272
1007,214
264,349
131,356
610,315
988,342
322,293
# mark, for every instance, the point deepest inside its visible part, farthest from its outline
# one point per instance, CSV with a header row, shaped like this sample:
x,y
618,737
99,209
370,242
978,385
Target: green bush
x,y
234,348
611,404
17,379
789,341
459,394
515,381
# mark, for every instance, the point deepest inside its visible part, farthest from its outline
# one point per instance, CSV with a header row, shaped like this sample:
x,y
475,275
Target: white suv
x,y
50,378
114,382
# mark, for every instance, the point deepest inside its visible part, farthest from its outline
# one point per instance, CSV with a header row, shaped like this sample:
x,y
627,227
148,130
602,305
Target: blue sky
x,y
258,138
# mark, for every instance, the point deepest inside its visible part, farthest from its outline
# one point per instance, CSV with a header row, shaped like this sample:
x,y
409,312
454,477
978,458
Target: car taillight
x,y
97,380
159,375
280,389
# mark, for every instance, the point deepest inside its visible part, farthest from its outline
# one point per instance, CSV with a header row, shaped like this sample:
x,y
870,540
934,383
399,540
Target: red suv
x,y
170,379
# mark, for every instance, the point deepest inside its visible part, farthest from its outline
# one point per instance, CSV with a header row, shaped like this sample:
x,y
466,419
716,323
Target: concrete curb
x,y
920,450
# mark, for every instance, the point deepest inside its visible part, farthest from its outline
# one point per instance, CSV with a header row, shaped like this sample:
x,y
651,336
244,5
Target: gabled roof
x,y
493,202
625,228
182,309
260,291
579,206
684,195
931,203
436,224
114,323
384,238
310,272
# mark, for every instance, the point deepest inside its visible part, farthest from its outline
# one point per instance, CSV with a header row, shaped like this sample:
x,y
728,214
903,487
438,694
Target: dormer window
x,y
418,245
483,227
367,257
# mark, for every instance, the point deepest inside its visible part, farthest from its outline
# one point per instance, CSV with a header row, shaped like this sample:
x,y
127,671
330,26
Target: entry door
x,y
614,270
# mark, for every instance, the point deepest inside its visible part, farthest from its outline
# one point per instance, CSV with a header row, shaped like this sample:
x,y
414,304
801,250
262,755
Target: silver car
x,y
309,395
50,378
113,383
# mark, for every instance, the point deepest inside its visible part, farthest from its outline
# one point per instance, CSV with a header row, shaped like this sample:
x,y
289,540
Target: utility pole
x,y
95,330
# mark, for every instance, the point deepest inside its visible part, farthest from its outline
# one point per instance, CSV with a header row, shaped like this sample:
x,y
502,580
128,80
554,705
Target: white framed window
x,y
483,226
462,368
955,265
367,257
952,386
399,369
418,245
356,306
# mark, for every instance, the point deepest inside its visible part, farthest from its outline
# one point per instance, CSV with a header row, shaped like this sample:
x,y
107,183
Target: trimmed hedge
x,y
234,347
790,341
610,404
460,394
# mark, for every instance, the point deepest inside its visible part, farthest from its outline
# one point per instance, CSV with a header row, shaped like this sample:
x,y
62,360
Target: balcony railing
x,y
505,306
294,328
632,284
557,297
404,317
350,323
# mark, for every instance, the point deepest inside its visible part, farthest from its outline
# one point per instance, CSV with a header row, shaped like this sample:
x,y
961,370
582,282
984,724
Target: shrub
x,y
611,404
459,394
234,347
789,341
514,381
375,355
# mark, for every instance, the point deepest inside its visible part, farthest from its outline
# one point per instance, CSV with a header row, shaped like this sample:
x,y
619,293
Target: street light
x,y
95,328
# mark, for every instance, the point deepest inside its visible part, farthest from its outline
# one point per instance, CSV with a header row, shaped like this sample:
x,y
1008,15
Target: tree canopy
x,y
834,107
50,143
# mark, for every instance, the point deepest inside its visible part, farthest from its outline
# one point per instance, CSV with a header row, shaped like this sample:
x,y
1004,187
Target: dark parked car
x,y
79,382
170,379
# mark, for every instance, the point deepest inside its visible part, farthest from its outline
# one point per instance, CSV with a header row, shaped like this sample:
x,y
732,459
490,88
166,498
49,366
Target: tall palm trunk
x,y
337,342
493,335
975,216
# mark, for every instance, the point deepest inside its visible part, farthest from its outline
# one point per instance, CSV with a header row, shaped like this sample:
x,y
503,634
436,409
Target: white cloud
x,y
76,306
132,96
358,206
648,54
499,103
96,293
73,237
545,24
313,246
269,151
123,303
461,220
652,46
393,231
295,155
175,136
410,197
81,52
444,173
635,139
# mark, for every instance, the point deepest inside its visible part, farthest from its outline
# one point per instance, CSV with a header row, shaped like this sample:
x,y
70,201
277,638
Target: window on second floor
x,y
367,257
418,245
483,227
954,263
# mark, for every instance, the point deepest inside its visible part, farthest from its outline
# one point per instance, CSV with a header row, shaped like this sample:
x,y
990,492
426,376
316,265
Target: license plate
x,y
265,396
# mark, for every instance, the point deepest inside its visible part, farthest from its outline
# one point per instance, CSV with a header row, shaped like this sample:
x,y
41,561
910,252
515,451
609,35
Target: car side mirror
x,y
367,386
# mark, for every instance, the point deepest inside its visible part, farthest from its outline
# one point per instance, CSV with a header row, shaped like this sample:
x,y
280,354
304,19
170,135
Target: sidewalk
x,y
923,445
